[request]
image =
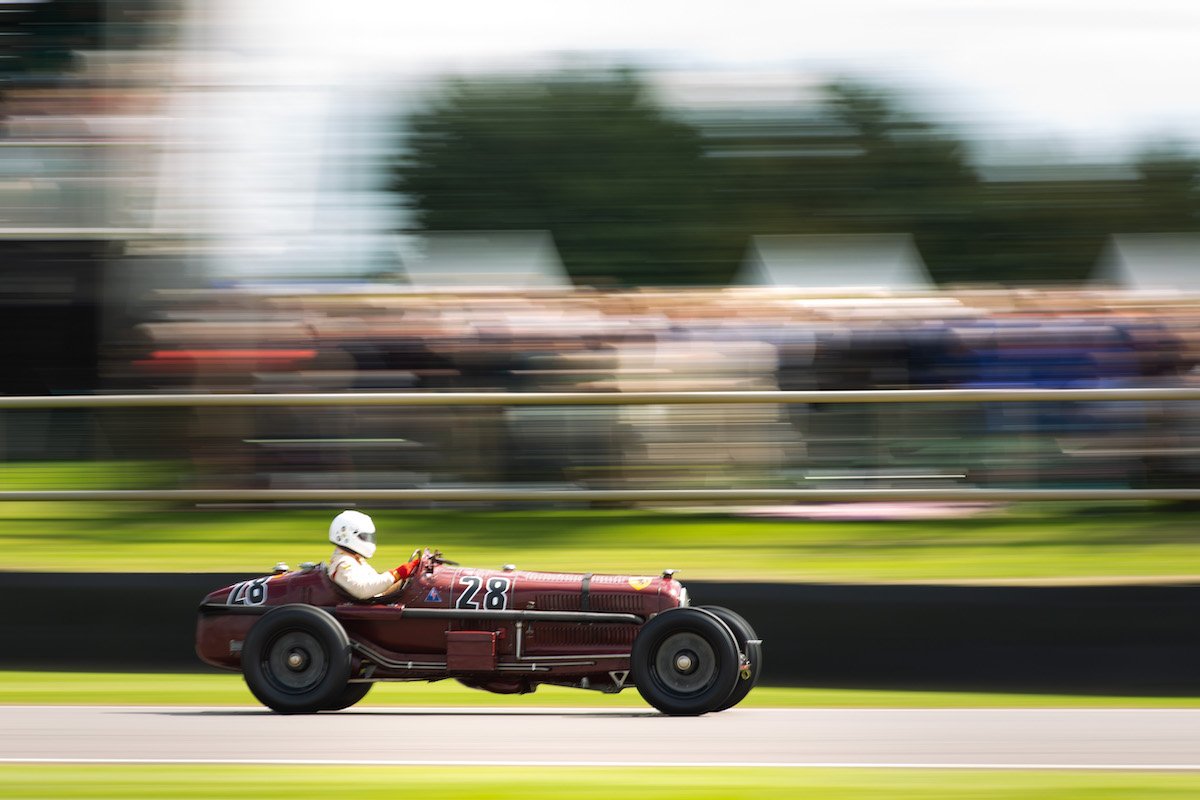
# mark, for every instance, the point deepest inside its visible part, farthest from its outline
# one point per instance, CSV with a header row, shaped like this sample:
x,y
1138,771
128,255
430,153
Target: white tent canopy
x,y
492,259
836,261
1151,261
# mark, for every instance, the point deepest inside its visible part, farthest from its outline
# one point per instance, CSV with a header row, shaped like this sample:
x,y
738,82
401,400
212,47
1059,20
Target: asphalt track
x,y
1166,739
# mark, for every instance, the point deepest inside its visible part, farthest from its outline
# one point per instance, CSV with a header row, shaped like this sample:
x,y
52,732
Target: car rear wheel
x,y
350,695
749,645
685,662
296,659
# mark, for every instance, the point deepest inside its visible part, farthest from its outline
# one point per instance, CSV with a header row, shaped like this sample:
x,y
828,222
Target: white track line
x,y
343,762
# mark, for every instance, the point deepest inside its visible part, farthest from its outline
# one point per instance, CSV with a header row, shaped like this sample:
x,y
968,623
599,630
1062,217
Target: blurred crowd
x,y
376,338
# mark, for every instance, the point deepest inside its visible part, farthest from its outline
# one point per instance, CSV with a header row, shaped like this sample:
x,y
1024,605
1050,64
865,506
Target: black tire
x,y
749,644
319,674
685,662
350,695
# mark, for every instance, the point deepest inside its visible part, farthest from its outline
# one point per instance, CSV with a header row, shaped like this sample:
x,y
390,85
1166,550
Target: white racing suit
x,y
359,578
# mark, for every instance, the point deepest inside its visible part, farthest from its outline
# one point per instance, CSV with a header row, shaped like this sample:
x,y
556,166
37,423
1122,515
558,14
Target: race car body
x,y
305,645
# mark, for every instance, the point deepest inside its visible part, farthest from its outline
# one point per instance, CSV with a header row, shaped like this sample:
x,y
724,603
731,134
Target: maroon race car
x,y
304,645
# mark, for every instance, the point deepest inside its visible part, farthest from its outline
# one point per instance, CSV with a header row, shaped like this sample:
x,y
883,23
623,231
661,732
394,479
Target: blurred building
x,y
888,261
82,136
486,259
1162,261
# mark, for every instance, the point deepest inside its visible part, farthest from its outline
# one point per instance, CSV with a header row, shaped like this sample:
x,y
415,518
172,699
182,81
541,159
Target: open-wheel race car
x,y
304,645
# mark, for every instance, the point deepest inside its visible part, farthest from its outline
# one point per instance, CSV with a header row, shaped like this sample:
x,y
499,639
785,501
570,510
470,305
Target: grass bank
x,y
1016,544
501,783
1023,542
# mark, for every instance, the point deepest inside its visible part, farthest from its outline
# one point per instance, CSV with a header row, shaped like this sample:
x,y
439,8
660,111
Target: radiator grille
x,y
619,603
559,601
590,634
573,601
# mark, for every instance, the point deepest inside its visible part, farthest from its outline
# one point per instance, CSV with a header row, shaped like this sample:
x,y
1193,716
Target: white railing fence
x,y
581,495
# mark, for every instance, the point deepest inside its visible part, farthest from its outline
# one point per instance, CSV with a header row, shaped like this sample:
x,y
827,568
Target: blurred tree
x,y
635,195
623,187
855,163
1053,229
1169,188
1048,231
908,176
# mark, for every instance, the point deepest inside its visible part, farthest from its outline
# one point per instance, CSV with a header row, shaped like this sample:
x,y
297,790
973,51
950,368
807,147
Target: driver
x,y
354,534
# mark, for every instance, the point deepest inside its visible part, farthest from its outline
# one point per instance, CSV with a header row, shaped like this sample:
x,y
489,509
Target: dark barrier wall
x,y
1111,639
1139,639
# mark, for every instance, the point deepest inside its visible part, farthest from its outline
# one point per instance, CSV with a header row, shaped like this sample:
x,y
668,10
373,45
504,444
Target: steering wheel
x,y
433,556
436,558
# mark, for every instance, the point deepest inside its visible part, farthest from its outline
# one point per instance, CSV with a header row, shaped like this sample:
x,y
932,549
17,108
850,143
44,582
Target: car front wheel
x,y
750,645
685,662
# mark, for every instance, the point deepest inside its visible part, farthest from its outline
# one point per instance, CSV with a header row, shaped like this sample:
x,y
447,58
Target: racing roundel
x,y
639,583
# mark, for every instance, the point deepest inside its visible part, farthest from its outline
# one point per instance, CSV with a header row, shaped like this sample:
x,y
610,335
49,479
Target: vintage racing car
x,y
304,645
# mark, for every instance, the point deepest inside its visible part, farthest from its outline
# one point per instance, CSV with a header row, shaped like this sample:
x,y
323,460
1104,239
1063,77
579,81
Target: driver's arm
x,y
361,580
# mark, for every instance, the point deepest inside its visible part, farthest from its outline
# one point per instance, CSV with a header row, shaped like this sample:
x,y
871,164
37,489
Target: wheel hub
x,y
685,663
297,660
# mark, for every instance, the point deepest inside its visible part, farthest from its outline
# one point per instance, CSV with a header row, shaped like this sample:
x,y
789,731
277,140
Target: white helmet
x,y
354,531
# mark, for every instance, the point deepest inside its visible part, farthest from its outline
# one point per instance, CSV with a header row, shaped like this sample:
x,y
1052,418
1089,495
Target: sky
x,y
1089,77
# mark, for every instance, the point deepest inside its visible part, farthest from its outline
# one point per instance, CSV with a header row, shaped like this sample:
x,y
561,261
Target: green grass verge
x,y
1016,544
1038,542
67,475
501,783
104,688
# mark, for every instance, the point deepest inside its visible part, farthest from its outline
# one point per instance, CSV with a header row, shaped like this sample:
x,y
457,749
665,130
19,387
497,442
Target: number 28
x,y
249,593
495,597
